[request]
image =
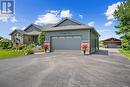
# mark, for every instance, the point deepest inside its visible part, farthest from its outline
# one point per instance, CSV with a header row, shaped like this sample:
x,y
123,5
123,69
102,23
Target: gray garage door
x,y
66,43
112,45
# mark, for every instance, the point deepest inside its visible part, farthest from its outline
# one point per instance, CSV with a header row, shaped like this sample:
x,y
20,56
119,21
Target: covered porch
x,y
28,39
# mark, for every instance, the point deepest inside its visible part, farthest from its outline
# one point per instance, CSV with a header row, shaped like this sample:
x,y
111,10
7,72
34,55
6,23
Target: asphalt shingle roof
x,y
33,33
69,27
18,30
43,27
55,27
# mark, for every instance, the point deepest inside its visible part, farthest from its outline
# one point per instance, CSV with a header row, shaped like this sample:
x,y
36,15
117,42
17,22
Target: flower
x,y
84,46
46,45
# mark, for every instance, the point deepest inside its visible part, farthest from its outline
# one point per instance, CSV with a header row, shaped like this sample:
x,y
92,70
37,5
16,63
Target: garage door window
x,y
68,37
76,37
55,37
61,37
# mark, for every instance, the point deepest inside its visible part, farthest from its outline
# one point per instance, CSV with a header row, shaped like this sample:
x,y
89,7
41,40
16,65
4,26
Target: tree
x,y
5,43
122,14
41,38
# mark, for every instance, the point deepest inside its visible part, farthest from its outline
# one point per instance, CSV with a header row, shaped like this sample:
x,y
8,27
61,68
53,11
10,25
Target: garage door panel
x,y
112,45
66,43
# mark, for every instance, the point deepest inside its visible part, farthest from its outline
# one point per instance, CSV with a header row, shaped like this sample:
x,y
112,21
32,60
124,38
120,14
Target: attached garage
x,y
68,34
66,42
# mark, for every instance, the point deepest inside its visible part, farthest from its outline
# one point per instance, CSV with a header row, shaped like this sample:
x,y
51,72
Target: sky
x,y
96,13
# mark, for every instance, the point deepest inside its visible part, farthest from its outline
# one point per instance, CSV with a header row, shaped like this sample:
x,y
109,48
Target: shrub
x,y
126,46
22,46
5,43
32,45
101,44
28,51
19,47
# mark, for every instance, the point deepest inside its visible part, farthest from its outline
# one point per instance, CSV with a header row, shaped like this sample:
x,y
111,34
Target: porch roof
x,y
32,33
69,27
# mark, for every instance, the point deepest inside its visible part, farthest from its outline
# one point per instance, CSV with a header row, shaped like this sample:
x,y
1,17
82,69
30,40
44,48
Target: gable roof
x,y
41,28
67,19
76,26
36,26
110,39
69,27
18,30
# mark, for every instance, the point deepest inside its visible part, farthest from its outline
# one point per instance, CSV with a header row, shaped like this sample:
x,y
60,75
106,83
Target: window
x,y
61,37
69,37
54,37
29,38
18,36
76,37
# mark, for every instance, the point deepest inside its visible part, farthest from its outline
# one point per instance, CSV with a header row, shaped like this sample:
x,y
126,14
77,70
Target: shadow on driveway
x,y
102,52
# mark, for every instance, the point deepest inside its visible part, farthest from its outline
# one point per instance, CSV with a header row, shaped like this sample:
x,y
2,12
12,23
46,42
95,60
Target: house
x,y
26,36
67,34
1,37
112,43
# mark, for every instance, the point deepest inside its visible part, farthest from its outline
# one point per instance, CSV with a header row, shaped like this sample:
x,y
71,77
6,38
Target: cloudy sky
x,y
96,13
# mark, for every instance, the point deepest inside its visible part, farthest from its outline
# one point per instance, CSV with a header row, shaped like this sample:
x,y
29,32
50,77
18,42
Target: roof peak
x,y
70,19
111,38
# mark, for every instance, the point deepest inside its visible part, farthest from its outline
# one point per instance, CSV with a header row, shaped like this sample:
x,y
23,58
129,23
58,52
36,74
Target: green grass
x,y
125,53
10,53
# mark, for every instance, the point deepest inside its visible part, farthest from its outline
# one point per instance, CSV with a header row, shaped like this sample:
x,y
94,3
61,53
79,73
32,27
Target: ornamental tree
x,y
41,38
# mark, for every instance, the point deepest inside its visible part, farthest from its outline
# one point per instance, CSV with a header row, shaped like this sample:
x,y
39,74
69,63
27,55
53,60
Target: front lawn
x,y
10,53
125,53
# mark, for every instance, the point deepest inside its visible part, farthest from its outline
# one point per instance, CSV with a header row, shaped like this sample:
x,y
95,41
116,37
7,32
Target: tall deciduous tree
x,y
41,38
122,14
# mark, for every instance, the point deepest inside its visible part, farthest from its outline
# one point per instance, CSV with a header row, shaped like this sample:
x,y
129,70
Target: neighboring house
x,y
67,34
1,37
112,43
26,36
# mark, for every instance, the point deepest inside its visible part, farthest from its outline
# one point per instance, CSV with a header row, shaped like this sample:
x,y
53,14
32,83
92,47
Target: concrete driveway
x,y
106,68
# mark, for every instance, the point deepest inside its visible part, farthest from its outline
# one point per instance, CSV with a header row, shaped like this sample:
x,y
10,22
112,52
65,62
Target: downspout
x,y
90,43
